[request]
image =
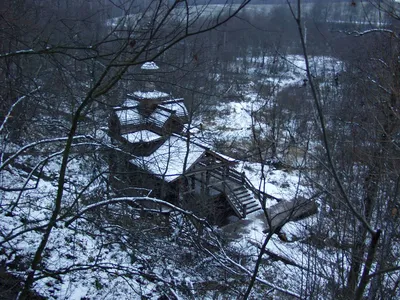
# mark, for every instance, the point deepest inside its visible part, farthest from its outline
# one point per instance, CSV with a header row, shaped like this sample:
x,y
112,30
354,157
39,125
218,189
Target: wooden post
x,y
202,181
244,210
207,183
180,193
142,212
193,181
224,175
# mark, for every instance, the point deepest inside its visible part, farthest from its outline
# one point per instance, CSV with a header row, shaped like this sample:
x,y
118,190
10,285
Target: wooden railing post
x,y
202,181
224,176
193,182
244,210
207,183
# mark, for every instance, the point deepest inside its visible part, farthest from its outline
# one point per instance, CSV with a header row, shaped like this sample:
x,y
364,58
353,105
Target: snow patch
x,y
141,136
151,65
150,95
168,160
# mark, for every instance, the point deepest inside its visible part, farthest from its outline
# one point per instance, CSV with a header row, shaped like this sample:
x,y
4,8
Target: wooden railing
x,y
248,184
224,175
225,188
235,202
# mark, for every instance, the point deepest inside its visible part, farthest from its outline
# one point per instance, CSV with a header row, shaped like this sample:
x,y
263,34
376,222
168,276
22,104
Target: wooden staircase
x,y
243,200
242,196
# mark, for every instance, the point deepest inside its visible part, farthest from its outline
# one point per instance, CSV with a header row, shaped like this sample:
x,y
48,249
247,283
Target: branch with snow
x,y
31,145
41,164
224,260
369,31
13,106
48,50
263,281
385,90
133,200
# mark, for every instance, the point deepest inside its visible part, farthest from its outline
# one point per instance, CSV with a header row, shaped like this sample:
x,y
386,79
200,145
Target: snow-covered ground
x,y
97,265
83,260
232,120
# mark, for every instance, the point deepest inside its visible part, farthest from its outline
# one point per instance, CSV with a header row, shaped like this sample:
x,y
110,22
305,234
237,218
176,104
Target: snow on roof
x,y
128,112
151,65
130,103
129,116
150,95
160,116
225,157
133,116
167,161
176,105
141,136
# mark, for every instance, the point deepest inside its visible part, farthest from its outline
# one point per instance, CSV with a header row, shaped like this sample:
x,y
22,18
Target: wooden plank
x,y
292,210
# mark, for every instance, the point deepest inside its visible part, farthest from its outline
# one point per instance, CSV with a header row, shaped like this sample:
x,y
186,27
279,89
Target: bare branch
x,y
13,106
133,200
369,31
31,145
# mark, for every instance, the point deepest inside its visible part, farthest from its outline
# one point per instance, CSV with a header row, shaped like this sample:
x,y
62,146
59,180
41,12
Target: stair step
x,y
239,192
242,193
244,201
243,196
253,210
249,201
239,188
252,204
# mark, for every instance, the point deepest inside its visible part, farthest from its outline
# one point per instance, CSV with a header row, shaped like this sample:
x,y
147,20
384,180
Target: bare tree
x,y
360,199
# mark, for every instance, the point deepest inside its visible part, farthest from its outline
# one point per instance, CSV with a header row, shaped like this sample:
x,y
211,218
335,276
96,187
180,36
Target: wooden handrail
x,y
237,177
235,202
243,179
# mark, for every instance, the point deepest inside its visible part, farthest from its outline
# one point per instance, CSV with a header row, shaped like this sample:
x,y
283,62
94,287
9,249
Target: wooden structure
x,y
293,210
160,156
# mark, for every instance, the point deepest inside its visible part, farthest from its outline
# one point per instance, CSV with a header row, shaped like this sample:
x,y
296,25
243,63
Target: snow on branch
x,y
11,235
133,200
369,31
13,106
18,52
30,175
49,50
45,141
224,260
379,85
263,281
109,146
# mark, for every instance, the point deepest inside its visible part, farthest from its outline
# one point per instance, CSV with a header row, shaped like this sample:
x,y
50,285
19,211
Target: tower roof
x,y
150,65
149,95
